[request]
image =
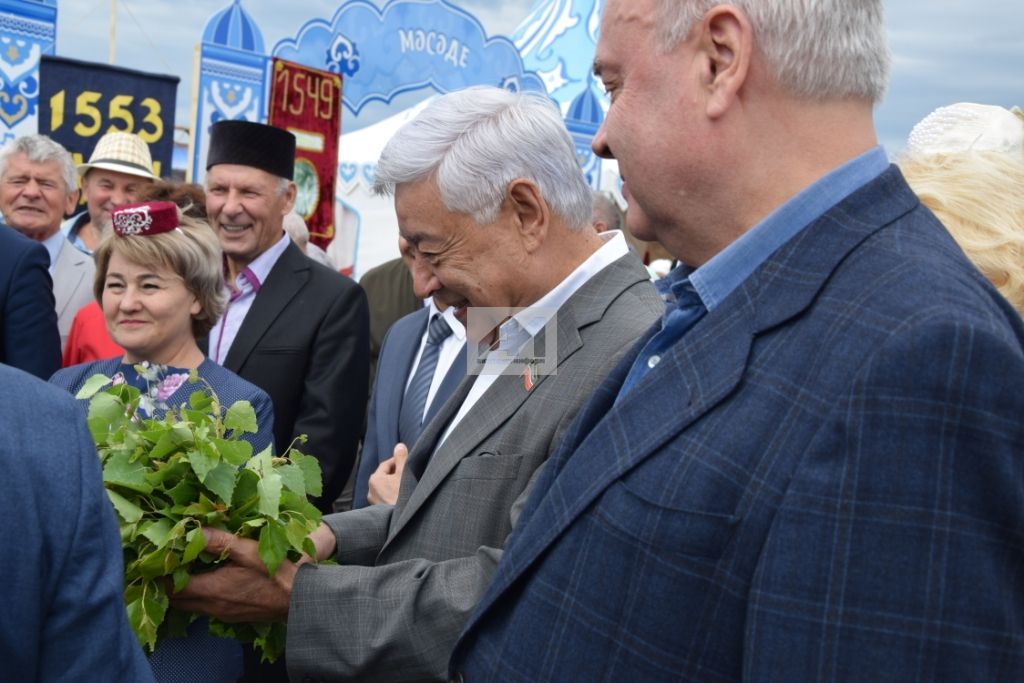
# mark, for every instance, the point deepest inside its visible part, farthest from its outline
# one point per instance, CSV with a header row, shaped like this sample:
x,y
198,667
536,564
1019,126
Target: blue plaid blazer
x,y
822,482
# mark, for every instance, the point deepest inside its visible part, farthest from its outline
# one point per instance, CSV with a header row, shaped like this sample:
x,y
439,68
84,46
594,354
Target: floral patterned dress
x,y
198,657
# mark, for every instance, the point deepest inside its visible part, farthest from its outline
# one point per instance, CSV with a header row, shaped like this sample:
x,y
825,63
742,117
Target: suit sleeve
x,y
89,596
371,457
31,340
334,397
899,544
385,624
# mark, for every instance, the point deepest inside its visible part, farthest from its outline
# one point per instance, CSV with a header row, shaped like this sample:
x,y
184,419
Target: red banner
x,y
307,102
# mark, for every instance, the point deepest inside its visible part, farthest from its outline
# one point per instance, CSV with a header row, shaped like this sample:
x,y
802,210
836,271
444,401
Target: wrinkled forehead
x,y
20,164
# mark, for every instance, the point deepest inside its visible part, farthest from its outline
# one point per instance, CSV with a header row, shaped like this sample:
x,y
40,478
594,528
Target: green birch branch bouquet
x,y
169,476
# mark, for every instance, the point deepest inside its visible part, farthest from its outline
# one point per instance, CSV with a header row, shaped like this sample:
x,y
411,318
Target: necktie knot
x,y
439,330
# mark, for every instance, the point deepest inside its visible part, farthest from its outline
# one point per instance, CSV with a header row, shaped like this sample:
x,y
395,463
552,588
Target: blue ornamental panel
x,y
28,30
232,79
583,120
557,40
408,45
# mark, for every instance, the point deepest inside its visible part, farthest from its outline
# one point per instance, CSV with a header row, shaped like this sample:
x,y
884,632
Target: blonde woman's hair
x,y
192,251
979,197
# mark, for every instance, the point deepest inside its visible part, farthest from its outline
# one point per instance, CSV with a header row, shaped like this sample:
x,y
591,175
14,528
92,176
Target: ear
x,y
726,46
195,308
533,217
289,198
71,202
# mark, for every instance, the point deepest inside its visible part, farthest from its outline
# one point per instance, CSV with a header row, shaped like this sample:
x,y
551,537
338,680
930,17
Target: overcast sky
x,y
944,51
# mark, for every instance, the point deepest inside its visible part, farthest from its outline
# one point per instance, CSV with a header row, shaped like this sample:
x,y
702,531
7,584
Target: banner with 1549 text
x,y
307,102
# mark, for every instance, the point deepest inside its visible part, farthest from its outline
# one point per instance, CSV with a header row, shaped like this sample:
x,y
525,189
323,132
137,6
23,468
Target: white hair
x,y
40,149
476,141
295,225
818,49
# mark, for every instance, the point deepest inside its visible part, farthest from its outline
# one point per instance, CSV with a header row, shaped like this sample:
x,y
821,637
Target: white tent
x,y
367,229
556,40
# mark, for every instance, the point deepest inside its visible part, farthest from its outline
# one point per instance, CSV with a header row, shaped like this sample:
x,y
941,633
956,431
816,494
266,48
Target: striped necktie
x,y
414,404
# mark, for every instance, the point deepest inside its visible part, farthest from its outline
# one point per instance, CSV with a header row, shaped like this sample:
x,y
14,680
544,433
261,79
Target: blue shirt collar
x,y
53,245
716,279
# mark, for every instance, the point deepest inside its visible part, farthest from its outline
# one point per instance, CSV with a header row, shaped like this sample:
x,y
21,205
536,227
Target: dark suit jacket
x,y
304,342
389,292
821,481
396,357
62,613
28,319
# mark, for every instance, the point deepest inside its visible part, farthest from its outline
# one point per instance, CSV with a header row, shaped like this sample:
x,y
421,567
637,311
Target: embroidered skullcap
x,y
258,145
144,219
966,127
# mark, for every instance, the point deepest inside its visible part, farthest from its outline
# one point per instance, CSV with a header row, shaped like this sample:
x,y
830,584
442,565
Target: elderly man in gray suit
x,y
490,196
37,187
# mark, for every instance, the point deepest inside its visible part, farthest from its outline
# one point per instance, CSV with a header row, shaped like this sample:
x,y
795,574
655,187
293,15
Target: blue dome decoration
x,y
586,108
233,27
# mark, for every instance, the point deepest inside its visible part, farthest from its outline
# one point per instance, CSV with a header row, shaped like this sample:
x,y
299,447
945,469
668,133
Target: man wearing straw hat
x,y
119,165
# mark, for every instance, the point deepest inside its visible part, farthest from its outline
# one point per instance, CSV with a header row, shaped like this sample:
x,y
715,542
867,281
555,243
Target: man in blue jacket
x,y
29,339
62,613
810,469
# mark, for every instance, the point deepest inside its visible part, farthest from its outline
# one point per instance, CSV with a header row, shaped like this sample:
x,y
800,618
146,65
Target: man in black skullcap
x,y
296,329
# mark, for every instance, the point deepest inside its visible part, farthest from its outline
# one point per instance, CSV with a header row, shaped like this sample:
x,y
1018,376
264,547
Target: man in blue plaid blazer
x,y
811,469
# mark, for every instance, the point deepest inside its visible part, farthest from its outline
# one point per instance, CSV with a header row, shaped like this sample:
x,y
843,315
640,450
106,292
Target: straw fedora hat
x,y
122,153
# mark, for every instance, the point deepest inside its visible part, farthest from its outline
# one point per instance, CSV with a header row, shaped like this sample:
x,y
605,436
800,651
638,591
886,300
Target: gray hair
x,y
818,49
607,210
40,149
296,227
476,141
282,186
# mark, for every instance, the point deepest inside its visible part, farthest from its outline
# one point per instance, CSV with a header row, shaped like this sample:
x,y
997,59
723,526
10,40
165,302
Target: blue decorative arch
x,y
233,27
557,41
28,30
232,79
583,120
406,46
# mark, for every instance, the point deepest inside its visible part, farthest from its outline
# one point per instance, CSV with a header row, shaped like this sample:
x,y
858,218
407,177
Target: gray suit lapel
x,y
500,402
508,393
68,273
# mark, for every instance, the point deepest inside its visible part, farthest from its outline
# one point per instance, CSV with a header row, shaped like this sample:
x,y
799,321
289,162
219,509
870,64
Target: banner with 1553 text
x,y
79,102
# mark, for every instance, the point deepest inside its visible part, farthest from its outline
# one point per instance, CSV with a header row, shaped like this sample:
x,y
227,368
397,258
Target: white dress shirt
x,y
223,334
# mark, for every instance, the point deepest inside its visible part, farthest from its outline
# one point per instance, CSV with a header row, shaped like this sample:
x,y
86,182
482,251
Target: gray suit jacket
x,y
72,286
397,354
409,576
